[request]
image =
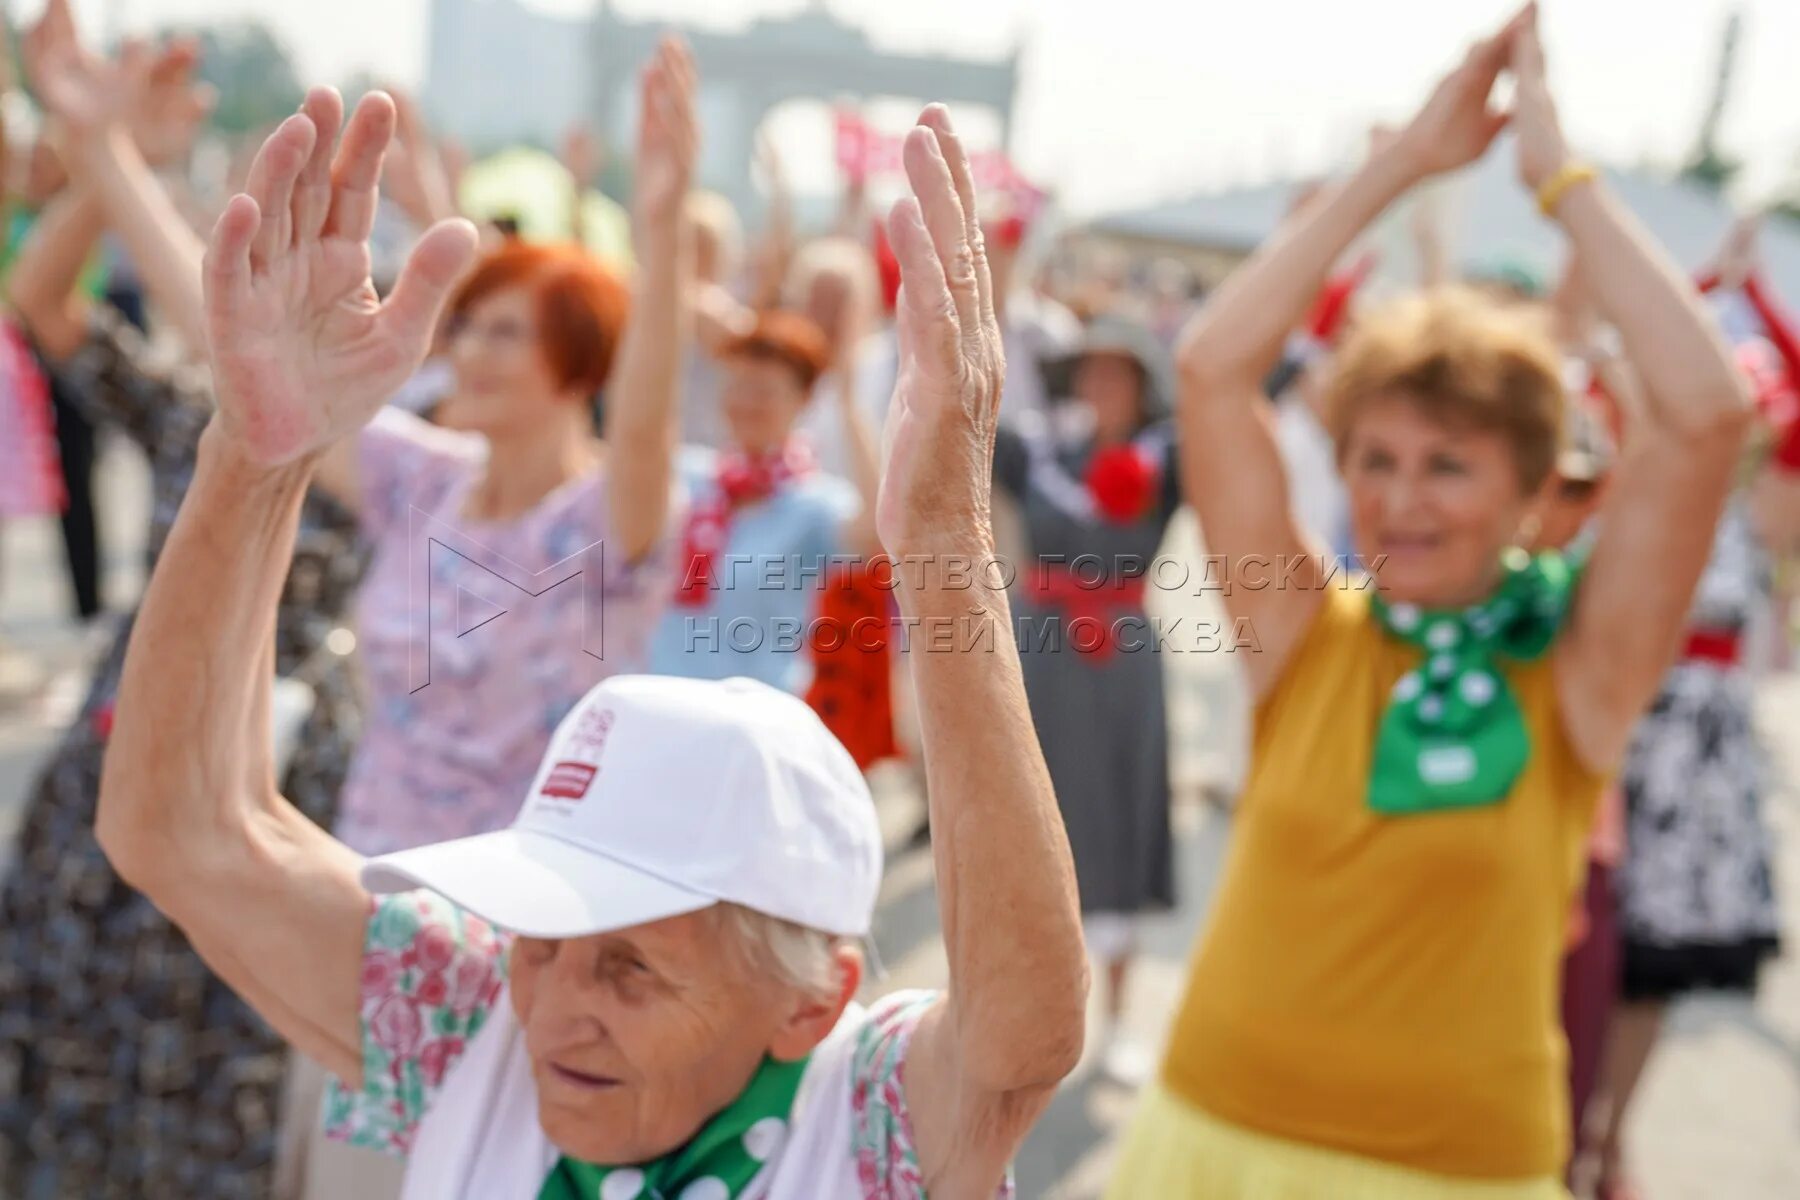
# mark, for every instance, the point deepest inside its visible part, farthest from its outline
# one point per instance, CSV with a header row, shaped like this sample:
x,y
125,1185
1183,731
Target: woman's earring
x,y
1529,529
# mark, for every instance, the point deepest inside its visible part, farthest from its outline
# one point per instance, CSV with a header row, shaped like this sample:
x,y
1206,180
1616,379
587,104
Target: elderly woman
x,y
518,551
1095,501
127,1068
644,987
1371,1010
763,518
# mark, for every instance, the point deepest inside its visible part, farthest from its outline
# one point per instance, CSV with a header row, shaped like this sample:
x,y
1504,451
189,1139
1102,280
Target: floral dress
x,y
127,1069
432,975
476,637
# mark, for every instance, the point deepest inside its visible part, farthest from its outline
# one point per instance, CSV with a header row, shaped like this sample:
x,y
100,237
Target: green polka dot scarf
x,y
1453,735
717,1164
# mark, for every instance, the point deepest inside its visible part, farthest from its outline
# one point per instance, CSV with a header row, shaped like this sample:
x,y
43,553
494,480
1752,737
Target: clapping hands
x,y
1459,121
147,91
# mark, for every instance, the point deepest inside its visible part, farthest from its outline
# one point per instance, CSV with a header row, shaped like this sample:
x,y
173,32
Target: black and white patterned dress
x,y
1696,894
127,1069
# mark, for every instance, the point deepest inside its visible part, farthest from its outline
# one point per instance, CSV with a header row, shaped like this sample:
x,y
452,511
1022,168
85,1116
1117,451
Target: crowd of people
x,y
477,803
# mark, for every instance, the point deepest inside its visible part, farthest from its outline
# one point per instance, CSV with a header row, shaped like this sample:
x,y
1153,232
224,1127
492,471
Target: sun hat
x,y
661,796
1124,335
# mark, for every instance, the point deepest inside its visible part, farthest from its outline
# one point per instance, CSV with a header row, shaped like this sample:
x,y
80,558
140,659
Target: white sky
x,y
1130,101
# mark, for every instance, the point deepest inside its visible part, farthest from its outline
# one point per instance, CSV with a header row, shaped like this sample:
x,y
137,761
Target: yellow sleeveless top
x,y
1387,986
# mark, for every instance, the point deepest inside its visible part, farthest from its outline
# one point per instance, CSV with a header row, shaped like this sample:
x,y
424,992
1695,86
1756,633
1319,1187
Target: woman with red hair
x,y
765,520
516,555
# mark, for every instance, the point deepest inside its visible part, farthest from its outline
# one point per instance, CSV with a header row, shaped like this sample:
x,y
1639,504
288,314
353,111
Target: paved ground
x,y
1720,1118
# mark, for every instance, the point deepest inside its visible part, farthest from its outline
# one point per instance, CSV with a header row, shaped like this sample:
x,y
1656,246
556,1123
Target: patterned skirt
x,y
127,1068
1174,1151
1696,894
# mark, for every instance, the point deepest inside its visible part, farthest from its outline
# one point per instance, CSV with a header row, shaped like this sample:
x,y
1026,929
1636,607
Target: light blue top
x,y
767,583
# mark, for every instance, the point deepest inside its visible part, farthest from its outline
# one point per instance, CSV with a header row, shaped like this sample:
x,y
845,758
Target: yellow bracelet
x,y
1558,185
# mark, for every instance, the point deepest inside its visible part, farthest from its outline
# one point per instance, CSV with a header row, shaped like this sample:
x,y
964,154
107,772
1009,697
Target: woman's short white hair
x,y
796,956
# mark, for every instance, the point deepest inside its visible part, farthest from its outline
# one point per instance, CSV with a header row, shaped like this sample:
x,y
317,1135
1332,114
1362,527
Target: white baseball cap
x,y
661,796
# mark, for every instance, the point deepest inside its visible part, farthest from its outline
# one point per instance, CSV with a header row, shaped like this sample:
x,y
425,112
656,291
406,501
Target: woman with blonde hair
x,y
1371,1009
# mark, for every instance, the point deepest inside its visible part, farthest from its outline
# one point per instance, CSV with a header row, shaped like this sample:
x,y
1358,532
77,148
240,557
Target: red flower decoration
x,y
436,947
437,1057
433,990
380,972
1123,481
103,720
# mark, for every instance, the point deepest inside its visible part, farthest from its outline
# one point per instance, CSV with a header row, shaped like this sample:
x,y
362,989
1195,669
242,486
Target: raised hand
x,y
168,107
1457,123
939,440
582,155
414,173
1737,256
149,92
668,135
1542,149
303,352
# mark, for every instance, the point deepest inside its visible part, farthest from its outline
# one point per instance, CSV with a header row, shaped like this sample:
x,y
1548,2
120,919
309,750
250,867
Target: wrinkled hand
x,y
302,350
1542,148
1457,123
939,441
668,135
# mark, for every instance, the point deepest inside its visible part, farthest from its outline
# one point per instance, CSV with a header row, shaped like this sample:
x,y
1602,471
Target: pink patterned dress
x,y
476,637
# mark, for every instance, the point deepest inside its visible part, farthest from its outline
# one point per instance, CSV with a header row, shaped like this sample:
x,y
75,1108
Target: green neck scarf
x,y
717,1164
1453,735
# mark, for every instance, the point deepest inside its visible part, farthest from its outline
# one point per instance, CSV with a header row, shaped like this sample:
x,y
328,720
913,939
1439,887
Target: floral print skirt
x,y
127,1068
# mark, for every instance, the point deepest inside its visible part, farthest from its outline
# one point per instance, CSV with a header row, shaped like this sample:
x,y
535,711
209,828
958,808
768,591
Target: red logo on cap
x,y
568,780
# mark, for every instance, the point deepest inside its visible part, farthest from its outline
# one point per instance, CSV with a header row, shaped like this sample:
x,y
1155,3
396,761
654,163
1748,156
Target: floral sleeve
x,y
887,1156
430,976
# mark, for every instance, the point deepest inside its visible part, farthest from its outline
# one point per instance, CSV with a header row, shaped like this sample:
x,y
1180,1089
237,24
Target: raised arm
x,y
1231,468
302,355
1675,468
44,284
113,121
414,174
643,421
773,253
986,1062
861,440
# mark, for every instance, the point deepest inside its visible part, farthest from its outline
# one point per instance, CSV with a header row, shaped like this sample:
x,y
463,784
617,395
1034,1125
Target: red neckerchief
x,y
740,479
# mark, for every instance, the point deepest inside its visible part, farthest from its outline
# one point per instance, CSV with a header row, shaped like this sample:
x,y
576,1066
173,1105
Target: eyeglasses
x,y
501,333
